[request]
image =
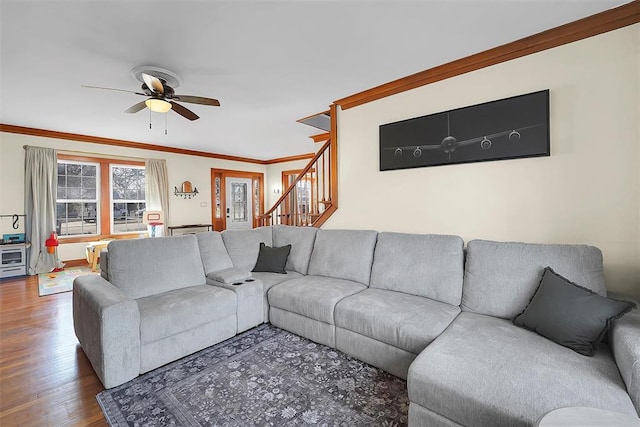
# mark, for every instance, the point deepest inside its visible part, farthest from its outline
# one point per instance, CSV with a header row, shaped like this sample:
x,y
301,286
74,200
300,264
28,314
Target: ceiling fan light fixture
x,y
158,105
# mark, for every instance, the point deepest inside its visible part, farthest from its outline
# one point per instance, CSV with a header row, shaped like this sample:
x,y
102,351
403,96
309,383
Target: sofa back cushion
x,y
212,252
501,277
144,267
243,246
426,265
343,254
301,240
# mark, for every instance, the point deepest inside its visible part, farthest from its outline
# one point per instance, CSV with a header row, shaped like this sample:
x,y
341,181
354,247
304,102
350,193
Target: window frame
x,y
112,201
104,199
96,200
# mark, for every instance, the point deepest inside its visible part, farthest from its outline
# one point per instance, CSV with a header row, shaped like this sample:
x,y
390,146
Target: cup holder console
x,y
245,281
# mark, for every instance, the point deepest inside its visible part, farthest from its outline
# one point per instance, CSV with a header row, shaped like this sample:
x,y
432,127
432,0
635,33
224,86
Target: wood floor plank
x,y
45,377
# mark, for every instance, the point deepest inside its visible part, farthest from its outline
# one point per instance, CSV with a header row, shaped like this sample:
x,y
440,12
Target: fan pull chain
x,y
165,123
149,118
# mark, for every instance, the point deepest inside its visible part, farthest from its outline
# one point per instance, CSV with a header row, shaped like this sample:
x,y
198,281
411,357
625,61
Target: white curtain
x,y
40,188
157,189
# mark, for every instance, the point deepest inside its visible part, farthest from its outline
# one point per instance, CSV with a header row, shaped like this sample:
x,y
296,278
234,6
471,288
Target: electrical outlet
x,y
203,204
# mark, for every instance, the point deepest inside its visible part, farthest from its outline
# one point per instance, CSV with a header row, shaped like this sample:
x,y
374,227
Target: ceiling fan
x,y
158,86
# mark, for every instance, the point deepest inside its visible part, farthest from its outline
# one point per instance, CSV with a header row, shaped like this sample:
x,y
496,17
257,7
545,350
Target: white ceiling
x,y
268,62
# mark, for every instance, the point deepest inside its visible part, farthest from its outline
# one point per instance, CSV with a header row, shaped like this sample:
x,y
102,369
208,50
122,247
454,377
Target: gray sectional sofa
x,y
417,306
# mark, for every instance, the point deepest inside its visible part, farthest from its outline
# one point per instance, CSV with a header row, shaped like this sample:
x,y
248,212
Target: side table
x,y
92,251
182,227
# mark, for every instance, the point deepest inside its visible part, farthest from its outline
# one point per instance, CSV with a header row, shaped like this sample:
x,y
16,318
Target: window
x,y
127,198
77,199
99,197
239,201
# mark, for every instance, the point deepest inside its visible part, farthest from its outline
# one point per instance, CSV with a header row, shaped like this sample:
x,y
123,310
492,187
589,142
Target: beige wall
x,y
588,191
180,168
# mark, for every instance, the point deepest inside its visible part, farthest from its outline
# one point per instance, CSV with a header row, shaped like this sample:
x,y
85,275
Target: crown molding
x,y
290,158
321,137
139,145
609,20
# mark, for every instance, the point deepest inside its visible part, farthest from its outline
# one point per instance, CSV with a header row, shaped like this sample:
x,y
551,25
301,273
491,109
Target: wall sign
x,y
509,128
187,190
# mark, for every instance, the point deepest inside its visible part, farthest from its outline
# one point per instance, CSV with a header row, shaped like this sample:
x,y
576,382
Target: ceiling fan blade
x,y
153,83
119,90
183,111
197,100
136,107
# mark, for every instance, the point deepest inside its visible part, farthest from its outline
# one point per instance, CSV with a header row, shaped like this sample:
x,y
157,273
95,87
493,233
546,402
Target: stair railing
x,y
308,197
312,197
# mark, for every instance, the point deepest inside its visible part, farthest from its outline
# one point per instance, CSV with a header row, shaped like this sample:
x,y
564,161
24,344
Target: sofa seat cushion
x,y
485,371
405,321
312,296
180,310
271,279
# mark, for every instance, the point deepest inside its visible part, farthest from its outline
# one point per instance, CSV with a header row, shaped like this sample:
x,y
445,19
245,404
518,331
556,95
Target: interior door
x,y
239,203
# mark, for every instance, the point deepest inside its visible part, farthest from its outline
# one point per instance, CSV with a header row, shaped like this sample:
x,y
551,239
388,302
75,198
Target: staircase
x,y
312,197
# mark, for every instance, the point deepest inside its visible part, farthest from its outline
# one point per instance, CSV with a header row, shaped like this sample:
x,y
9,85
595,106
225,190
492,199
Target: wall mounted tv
x,y
508,128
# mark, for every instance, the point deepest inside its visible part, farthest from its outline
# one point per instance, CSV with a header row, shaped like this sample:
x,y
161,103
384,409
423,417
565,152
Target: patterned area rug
x,y
62,281
263,377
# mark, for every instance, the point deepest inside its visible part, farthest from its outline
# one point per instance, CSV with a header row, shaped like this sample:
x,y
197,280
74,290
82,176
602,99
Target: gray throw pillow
x,y
568,314
272,260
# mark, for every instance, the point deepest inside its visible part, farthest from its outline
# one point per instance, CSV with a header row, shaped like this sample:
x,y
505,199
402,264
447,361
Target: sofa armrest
x,y
249,297
624,339
107,324
229,275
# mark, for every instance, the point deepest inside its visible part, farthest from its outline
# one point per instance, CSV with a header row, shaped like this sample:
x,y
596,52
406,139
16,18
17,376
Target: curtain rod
x,y
84,153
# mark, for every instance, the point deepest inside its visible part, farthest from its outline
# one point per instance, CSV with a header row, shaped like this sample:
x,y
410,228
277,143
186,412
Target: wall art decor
x,y
187,190
509,128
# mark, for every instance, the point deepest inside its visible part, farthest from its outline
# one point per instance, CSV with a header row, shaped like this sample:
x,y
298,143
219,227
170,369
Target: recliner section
x,y
414,293
155,308
409,304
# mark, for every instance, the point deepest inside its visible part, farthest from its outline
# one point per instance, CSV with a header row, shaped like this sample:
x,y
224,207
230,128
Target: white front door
x,y
239,203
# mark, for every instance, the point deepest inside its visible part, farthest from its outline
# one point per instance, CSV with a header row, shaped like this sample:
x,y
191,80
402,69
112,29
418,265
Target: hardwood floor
x,y
45,378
